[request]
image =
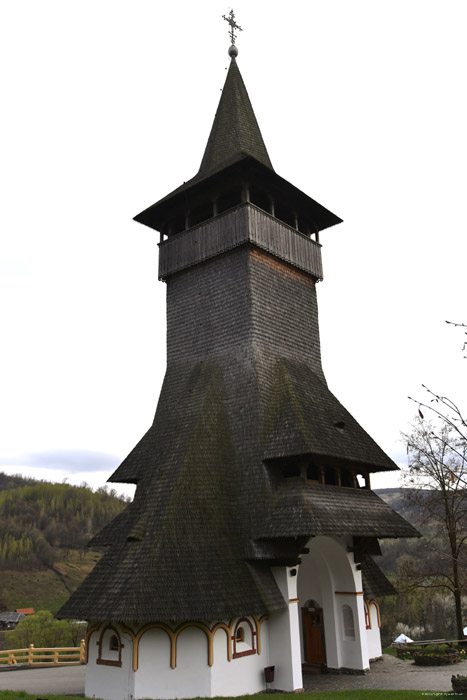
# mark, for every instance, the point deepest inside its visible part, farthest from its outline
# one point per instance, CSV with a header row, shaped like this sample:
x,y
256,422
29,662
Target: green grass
x,y
340,695
390,650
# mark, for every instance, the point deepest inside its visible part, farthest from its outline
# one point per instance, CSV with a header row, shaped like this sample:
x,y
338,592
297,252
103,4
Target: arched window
x,y
109,647
243,638
240,635
349,627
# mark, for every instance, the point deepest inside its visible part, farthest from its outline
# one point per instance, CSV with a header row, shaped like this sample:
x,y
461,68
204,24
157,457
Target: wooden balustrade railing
x,y
45,656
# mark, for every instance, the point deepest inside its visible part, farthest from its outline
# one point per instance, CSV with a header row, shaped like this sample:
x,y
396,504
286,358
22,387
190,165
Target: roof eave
x,y
155,215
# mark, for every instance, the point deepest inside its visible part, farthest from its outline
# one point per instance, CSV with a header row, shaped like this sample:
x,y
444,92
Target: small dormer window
x,y
114,644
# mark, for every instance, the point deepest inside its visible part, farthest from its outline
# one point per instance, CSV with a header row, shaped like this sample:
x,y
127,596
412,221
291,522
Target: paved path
x,y
68,680
388,674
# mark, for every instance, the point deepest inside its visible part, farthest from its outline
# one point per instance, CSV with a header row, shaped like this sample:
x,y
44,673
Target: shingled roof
x,y
235,148
244,388
301,508
185,547
235,132
375,583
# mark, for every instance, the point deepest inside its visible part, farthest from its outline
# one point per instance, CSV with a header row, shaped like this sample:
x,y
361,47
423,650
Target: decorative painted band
x,y
173,635
348,592
294,600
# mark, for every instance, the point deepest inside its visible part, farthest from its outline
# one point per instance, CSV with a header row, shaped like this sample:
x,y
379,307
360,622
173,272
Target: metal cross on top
x,y
233,25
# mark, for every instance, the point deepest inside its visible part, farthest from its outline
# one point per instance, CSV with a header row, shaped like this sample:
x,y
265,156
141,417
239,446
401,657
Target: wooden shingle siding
x,y
244,224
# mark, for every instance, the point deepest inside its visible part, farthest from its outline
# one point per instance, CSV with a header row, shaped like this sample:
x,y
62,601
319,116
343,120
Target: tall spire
x,y
235,132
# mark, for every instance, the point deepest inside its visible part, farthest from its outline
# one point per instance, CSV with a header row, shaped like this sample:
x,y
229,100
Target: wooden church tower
x,y
249,541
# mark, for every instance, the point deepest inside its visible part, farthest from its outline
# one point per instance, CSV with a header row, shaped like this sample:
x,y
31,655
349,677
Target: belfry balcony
x,y
242,224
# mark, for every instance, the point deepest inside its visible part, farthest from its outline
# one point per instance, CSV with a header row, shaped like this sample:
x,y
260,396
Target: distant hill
x,y
397,552
44,530
8,481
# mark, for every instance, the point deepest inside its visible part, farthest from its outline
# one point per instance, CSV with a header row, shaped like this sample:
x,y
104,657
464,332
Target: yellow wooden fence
x,y
43,656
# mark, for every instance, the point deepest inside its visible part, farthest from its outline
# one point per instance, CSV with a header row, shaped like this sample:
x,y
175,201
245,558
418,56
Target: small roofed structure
x,y
251,536
402,639
9,620
26,611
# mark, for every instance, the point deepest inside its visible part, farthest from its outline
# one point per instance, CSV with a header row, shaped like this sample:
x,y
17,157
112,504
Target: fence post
x,y
55,657
81,652
31,655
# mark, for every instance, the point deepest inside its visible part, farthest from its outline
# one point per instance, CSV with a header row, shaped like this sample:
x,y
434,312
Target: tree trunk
x,y
457,600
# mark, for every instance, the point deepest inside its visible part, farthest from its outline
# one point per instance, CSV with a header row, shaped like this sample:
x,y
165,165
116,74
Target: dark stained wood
x,y
246,223
313,634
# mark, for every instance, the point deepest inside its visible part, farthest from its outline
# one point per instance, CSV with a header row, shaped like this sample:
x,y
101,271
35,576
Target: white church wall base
x,y
196,659
373,635
284,634
190,678
240,676
109,682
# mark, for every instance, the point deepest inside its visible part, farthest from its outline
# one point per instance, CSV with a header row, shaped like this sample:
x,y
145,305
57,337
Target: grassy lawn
x,y
341,695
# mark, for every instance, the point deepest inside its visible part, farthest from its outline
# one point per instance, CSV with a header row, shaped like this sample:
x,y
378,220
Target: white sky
x,y
107,106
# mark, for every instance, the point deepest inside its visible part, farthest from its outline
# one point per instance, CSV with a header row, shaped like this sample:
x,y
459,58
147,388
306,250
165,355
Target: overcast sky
x,y
107,106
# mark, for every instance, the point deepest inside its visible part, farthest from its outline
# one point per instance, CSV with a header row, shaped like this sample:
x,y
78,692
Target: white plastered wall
x,y
192,675
109,682
373,635
243,675
325,574
284,634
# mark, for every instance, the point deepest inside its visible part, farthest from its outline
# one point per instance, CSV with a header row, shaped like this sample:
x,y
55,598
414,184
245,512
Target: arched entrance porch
x,y
332,617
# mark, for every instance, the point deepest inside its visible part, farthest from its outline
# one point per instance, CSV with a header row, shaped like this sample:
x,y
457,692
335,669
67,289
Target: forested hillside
x,y
44,530
39,519
423,609
397,552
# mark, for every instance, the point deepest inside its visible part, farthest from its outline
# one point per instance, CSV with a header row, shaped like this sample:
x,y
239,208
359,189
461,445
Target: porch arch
x,y
328,576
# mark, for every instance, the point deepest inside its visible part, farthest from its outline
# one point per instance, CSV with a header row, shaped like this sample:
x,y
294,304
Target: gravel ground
x,y
389,673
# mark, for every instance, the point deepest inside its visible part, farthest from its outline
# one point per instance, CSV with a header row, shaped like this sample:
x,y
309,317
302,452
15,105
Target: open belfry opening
x,y
249,543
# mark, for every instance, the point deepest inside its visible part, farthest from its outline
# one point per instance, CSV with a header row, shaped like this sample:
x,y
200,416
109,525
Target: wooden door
x,y
313,633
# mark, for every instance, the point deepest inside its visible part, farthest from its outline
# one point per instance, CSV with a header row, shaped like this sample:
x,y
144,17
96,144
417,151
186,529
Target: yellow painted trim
x,y
367,611
89,632
207,632
174,634
348,592
127,630
258,623
155,625
378,613
228,632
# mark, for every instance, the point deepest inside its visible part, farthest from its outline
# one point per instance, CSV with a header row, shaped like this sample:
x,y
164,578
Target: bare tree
x,y
446,411
436,477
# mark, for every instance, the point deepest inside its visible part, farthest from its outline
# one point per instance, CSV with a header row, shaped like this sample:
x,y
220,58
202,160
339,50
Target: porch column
x,y
284,633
